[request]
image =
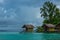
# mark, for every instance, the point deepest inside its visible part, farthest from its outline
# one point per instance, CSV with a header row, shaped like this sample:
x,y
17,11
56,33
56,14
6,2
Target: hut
x,y
49,27
57,27
28,28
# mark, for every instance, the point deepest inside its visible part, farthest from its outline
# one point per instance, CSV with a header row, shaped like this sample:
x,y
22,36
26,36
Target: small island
x,y
51,14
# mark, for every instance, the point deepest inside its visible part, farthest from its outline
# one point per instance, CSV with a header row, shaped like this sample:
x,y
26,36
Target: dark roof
x,y
28,26
49,25
58,24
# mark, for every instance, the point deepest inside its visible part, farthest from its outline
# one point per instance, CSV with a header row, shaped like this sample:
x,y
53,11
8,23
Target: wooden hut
x,y
28,28
57,27
49,27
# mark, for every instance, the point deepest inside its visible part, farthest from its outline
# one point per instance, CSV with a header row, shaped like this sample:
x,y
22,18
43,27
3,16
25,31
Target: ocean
x,y
29,36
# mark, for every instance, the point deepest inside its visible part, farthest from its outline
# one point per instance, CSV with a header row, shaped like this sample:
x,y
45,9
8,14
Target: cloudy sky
x,y
20,12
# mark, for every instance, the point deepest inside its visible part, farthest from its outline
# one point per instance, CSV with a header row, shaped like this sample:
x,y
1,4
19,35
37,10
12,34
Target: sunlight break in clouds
x,y
58,6
1,1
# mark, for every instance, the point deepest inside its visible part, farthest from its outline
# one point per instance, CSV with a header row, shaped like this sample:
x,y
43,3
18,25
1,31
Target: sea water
x,y
29,36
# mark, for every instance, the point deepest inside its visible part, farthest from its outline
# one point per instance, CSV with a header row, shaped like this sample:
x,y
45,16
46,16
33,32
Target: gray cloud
x,y
20,12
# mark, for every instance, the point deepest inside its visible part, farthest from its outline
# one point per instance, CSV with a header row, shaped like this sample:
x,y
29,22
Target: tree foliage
x,y
50,13
39,29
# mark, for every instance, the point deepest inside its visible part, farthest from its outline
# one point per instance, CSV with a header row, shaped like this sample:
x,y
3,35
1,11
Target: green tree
x,y
39,29
50,13
56,18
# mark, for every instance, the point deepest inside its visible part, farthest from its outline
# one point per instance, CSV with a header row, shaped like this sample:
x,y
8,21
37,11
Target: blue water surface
x,y
29,36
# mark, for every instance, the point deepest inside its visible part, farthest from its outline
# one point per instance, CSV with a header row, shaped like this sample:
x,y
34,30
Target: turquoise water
x,y
28,36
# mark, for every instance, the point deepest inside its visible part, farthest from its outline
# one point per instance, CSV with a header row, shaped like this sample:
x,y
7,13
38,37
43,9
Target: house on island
x,y
57,27
49,27
28,28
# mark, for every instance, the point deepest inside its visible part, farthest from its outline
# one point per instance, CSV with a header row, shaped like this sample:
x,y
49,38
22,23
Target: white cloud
x,y
38,15
7,14
1,1
58,6
31,15
5,11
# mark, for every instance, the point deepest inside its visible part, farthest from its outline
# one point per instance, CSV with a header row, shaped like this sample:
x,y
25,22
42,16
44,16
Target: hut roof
x,y
49,25
28,26
58,24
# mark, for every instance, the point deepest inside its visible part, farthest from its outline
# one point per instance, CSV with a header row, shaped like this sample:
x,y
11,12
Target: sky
x,y
15,13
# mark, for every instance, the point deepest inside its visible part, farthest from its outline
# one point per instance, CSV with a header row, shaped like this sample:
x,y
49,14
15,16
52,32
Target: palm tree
x,y
57,16
49,12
